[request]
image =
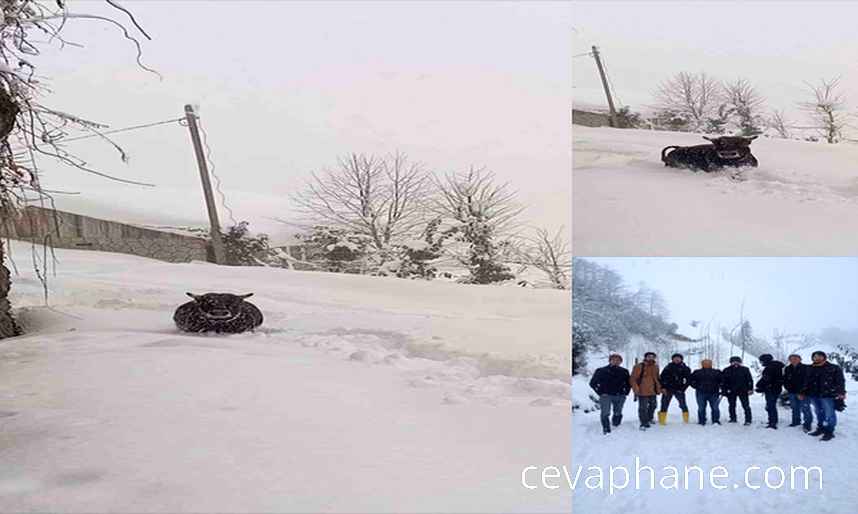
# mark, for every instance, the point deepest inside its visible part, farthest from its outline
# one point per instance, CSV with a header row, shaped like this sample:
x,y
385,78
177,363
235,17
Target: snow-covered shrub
x,y
335,249
581,335
847,358
242,248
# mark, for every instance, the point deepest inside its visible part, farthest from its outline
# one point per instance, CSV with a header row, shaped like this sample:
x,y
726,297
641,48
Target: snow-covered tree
x,y
690,97
382,198
550,254
242,248
827,109
744,104
779,124
31,131
481,214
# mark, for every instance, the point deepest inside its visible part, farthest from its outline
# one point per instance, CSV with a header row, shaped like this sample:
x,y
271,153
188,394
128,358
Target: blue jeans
x,y
800,409
666,396
772,407
608,402
826,416
712,399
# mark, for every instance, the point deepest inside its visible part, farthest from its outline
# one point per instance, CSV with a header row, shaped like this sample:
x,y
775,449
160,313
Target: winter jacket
x,y
674,377
611,380
772,378
736,380
824,381
706,380
794,377
648,384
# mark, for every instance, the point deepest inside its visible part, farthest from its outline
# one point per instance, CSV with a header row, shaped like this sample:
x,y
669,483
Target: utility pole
x,y
605,86
217,242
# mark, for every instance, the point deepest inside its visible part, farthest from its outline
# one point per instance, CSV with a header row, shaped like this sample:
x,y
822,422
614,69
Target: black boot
x,y
616,420
819,431
827,436
732,420
794,424
772,426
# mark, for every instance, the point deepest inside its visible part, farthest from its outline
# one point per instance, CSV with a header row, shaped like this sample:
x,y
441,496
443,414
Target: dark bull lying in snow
x,y
722,151
218,312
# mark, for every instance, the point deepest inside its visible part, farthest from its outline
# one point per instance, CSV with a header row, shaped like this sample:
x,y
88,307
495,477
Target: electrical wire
x,y
213,174
124,129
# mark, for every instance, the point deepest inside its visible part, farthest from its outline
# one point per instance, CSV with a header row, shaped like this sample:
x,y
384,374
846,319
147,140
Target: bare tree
x,y
693,97
745,103
779,123
381,198
29,130
827,109
551,255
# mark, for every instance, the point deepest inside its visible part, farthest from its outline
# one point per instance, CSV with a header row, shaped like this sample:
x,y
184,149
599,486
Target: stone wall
x,y
68,230
590,119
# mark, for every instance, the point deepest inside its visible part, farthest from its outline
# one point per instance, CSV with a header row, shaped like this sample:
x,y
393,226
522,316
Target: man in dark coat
x,y
707,383
611,383
737,383
645,383
824,384
795,375
771,384
674,382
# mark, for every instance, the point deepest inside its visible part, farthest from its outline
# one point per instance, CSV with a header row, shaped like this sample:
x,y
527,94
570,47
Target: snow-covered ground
x,y
357,395
735,447
801,200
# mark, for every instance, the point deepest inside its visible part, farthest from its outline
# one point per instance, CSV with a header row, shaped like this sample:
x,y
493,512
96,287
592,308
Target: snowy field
x,y
357,395
735,447
801,200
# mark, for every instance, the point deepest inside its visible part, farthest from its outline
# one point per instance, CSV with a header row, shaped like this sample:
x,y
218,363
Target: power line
x,y
124,129
213,174
582,55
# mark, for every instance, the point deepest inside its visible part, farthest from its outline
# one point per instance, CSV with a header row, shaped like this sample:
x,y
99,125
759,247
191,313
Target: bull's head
x,y
731,147
219,306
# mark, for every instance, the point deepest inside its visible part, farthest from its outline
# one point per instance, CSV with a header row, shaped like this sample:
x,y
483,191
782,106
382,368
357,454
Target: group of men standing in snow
x,y
821,385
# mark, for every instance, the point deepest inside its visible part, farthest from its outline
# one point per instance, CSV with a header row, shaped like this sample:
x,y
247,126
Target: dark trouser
x,y
800,409
712,399
608,402
666,396
826,416
646,409
746,405
772,407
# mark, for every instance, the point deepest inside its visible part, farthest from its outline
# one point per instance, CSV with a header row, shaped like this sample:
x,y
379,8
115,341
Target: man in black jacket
x,y
771,384
824,384
611,383
737,383
707,383
674,382
795,375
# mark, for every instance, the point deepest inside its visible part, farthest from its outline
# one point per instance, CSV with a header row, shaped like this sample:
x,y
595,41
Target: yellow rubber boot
x,y
662,418
685,417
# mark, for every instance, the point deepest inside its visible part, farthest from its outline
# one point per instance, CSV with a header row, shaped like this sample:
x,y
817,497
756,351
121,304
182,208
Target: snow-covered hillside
x,y
802,200
357,395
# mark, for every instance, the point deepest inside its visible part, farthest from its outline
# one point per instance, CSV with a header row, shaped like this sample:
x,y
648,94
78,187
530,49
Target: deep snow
x,y
358,394
801,200
734,446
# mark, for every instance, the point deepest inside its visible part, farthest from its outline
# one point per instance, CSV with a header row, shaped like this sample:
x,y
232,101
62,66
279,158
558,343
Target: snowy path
x,y
359,395
734,446
802,200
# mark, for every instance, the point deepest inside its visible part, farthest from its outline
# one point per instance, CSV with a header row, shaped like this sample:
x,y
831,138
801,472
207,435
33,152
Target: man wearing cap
x,y
644,381
611,383
824,384
795,375
674,382
771,384
737,383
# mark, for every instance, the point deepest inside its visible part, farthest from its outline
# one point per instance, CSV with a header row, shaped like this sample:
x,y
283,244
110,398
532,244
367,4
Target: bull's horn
x,y
248,295
752,138
707,138
194,296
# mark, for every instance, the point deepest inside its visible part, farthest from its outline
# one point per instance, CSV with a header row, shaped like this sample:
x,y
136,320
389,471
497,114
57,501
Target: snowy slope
x,y
358,395
733,446
802,200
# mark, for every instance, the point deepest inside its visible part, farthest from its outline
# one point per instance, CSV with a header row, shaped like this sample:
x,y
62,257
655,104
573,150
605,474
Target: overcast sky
x,y
286,87
789,294
776,45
